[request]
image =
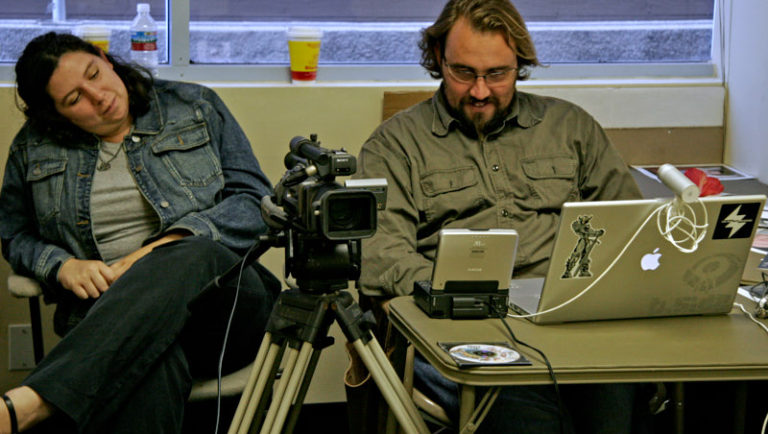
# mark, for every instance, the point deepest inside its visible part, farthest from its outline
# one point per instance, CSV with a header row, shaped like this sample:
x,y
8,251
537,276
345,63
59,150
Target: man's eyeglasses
x,y
466,75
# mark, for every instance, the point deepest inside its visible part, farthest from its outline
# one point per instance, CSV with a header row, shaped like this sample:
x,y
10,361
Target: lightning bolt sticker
x,y
736,221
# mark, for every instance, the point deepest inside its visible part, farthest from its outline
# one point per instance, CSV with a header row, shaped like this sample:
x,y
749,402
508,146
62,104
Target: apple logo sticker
x,y
650,261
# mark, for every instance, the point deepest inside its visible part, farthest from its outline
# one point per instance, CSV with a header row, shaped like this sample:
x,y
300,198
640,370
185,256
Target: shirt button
x,y
135,139
504,213
165,204
495,167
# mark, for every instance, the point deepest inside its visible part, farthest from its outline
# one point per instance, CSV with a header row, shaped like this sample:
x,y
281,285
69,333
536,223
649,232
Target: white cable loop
x,y
678,222
673,223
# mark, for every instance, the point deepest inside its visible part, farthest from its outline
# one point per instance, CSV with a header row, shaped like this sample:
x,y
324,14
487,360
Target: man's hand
x,y
86,278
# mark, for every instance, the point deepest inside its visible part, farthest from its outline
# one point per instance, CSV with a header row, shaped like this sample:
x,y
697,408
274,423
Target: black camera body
x,y
323,221
319,205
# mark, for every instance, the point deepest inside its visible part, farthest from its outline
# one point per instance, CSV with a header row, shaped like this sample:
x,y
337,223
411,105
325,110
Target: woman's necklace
x,y
105,164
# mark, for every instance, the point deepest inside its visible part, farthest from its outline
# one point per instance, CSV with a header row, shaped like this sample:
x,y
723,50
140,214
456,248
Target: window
x,y
374,32
20,21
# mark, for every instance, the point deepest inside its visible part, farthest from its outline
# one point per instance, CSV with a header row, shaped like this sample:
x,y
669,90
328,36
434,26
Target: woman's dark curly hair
x,y
484,15
36,65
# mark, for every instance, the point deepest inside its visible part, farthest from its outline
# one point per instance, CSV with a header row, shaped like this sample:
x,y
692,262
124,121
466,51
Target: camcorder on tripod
x,y
324,222
320,224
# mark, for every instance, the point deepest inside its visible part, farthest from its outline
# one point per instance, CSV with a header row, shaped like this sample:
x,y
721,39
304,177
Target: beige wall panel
x,y
694,145
342,116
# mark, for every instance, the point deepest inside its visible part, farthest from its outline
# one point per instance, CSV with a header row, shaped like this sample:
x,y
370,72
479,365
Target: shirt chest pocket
x,y
46,179
551,181
451,194
188,156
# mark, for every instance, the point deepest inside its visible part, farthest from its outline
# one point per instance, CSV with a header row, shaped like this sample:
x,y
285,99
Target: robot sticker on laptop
x,y
578,263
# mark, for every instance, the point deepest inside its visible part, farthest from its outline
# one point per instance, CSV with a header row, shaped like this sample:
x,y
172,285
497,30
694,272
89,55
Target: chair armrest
x,y
231,384
22,286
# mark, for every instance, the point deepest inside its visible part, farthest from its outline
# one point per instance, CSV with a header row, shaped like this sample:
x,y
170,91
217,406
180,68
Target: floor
x,y
314,418
721,407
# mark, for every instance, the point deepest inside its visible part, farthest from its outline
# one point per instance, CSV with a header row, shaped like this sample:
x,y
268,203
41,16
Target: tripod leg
x,y
254,389
280,391
292,383
248,390
390,386
281,398
257,409
293,416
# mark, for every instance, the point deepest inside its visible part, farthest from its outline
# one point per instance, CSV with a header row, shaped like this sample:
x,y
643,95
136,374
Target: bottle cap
x,y
142,7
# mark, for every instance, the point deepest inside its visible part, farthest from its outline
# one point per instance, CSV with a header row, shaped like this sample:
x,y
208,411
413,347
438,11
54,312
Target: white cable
x,y
678,222
751,317
584,291
673,223
765,422
224,343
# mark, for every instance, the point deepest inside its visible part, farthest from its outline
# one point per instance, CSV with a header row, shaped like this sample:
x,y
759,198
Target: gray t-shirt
x,y
121,217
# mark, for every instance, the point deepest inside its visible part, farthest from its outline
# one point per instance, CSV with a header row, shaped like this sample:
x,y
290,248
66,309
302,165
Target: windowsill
x,y
557,75
233,76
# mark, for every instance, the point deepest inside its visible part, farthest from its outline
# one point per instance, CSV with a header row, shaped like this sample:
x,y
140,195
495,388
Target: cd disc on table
x,y
484,353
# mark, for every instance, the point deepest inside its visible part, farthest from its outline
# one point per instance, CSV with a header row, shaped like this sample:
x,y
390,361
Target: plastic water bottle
x,y
144,39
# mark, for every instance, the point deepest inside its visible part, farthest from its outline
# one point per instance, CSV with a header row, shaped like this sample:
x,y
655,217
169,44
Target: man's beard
x,y
477,123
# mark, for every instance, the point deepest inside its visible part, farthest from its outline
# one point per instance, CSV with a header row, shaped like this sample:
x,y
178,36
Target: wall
x,y
746,137
343,116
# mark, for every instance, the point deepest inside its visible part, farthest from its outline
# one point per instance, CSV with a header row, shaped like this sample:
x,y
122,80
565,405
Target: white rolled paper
x,y
683,187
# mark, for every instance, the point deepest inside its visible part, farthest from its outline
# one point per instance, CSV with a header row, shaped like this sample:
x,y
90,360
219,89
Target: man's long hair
x,y
35,68
483,15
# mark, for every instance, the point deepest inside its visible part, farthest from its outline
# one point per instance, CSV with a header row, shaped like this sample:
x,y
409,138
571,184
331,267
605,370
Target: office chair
x,y
25,287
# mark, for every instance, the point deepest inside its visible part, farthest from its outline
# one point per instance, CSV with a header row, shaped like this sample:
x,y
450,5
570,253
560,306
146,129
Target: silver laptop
x,y
474,260
651,277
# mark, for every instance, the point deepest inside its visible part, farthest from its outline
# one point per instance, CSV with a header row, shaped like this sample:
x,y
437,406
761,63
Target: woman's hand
x,y
86,278
122,265
89,278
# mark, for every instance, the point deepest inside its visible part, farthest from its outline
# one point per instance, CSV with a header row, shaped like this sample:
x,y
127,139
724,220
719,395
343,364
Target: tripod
x,y
320,225
299,324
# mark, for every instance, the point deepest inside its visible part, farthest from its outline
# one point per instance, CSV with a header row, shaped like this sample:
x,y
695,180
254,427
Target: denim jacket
x,y
188,155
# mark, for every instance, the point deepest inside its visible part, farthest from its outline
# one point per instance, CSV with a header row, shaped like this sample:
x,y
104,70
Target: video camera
x,y
324,220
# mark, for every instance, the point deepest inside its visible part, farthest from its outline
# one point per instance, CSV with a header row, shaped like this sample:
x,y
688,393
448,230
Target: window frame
x,y
179,67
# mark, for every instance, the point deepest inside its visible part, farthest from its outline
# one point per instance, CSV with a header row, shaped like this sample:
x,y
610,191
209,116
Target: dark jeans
x,y
589,408
128,366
